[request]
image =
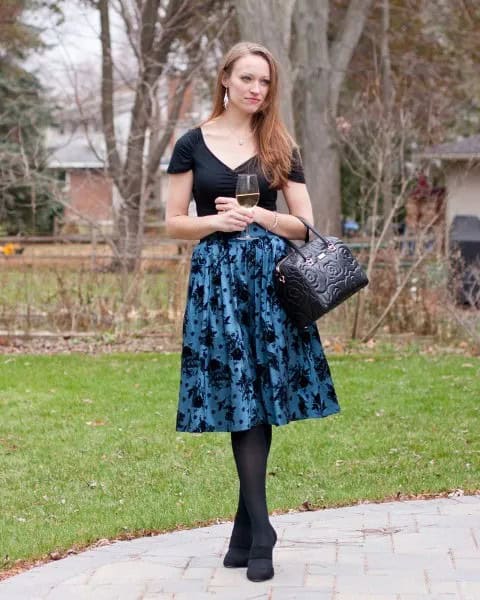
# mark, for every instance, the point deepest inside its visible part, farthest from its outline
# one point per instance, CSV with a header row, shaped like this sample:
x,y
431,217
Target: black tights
x,y
250,450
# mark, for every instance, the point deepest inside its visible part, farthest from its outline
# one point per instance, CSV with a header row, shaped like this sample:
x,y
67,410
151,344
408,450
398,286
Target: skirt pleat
x,y
244,362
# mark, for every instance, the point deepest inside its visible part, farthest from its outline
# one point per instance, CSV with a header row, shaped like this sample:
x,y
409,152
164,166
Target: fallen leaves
x,y
456,493
8,445
94,485
72,344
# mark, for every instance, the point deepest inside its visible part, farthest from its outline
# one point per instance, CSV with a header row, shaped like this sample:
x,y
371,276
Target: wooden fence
x,y
91,250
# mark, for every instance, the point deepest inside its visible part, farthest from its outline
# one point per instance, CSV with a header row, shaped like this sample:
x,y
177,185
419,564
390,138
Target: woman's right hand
x,y
234,219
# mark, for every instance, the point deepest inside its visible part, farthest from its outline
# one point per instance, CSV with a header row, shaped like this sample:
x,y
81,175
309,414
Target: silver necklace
x,y
241,140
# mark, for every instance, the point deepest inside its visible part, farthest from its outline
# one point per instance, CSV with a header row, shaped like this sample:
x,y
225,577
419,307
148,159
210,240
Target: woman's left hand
x,y
223,203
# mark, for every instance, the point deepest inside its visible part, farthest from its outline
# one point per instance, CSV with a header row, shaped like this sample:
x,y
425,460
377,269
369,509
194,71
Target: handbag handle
x,y
312,228
309,228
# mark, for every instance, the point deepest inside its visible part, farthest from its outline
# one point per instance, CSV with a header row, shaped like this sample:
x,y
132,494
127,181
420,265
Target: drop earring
x,y
225,99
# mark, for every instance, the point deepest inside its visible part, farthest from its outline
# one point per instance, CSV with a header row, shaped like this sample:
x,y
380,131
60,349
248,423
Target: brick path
x,y
412,550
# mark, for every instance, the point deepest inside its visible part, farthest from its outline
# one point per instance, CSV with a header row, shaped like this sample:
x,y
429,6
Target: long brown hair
x,y
274,143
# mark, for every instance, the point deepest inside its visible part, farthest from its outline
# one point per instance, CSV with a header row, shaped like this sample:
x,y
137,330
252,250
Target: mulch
x,y
49,344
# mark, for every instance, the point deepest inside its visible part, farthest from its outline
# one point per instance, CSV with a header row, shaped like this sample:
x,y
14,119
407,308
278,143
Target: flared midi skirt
x,y
244,362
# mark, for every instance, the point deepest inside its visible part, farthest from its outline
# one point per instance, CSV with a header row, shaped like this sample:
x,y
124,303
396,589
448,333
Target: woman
x,y
245,365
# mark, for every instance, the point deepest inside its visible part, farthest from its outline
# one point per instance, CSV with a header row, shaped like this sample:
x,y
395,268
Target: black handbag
x,y
316,277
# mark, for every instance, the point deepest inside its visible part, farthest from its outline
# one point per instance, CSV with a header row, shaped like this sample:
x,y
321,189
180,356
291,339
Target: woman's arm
x,y
298,202
181,226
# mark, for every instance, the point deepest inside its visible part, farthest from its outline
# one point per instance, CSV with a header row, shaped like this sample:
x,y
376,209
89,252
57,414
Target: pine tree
x,y
27,192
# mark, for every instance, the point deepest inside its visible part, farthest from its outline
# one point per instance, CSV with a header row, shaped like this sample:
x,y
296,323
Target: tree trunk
x,y
323,69
159,28
322,171
269,23
387,95
316,130
129,242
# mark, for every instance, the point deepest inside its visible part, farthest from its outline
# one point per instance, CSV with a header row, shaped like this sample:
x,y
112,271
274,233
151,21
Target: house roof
x,y
74,153
80,152
465,149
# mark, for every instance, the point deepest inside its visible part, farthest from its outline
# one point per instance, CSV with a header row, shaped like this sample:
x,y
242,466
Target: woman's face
x,y
248,83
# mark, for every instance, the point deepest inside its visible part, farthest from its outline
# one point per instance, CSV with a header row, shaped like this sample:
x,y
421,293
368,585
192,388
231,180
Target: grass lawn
x,y
88,448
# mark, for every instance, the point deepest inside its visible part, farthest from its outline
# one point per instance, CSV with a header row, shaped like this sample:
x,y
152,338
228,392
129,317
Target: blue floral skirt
x,y
243,361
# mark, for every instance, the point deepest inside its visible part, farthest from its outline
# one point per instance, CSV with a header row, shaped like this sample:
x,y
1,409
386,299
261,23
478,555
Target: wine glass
x,y
247,195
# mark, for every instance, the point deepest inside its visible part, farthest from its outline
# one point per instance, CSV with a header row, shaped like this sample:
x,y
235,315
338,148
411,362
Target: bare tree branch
x,y
108,114
196,57
466,326
129,28
147,35
422,256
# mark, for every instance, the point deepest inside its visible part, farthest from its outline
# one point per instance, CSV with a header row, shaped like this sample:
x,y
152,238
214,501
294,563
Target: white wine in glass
x,y
247,194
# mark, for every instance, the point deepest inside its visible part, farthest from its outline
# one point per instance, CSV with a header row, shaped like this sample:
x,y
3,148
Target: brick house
x,y
77,151
87,188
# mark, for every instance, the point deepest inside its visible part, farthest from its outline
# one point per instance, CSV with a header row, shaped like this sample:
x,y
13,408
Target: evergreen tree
x,y
27,192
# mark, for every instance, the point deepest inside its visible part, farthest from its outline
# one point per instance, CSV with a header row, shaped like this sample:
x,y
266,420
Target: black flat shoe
x,y
236,557
260,565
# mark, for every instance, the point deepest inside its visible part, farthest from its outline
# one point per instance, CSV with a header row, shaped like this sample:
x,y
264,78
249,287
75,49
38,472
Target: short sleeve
x,y
296,172
182,155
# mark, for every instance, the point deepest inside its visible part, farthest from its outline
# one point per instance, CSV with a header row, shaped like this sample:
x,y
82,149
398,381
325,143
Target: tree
x,y
27,201
316,69
410,77
26,192
166,38
270,22
17,38
323,59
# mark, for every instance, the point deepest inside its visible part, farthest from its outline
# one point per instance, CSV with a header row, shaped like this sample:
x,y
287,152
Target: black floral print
x,y
243,361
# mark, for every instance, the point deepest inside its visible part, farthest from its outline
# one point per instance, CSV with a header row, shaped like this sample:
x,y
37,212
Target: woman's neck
x,y
237,121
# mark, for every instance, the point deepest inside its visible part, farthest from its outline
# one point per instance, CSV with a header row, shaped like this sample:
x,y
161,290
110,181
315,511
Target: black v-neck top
x,y
213,178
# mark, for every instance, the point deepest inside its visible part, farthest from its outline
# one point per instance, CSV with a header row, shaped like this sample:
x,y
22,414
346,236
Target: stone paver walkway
x,y
412,550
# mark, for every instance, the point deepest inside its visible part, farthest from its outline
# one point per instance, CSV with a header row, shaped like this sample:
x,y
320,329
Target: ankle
x,y
242,521
241,534
266,537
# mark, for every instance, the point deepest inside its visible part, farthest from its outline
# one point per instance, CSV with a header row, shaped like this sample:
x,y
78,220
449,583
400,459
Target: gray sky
x,y
74,52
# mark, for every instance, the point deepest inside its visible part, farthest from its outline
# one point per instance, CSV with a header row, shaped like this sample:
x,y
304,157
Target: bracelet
x,y
275,222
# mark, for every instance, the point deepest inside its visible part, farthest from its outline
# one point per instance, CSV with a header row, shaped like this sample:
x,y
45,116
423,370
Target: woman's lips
x,y
255,100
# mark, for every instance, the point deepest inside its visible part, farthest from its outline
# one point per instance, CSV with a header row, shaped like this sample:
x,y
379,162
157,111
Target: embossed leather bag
x,y
316,277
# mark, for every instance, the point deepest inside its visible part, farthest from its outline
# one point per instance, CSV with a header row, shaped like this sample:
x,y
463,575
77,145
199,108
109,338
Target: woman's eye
x,y
246,78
